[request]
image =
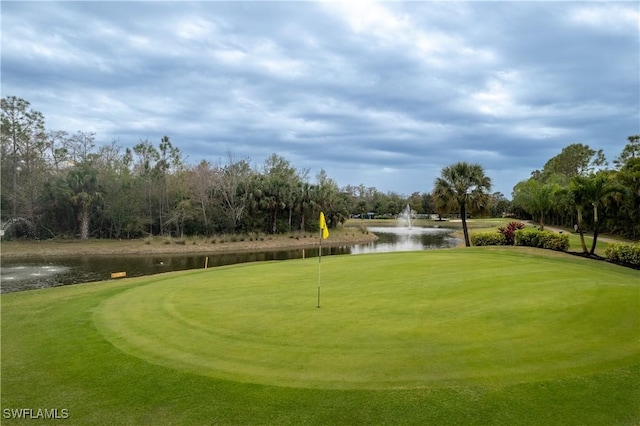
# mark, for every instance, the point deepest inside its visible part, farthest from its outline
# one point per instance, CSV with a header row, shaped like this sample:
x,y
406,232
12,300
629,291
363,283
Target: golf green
x,y
387,321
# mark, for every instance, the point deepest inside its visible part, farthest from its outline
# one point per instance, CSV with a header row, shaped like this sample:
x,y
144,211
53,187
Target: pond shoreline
x,y
165,245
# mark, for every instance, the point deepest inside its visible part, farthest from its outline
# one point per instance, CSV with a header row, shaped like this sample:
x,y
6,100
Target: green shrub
x,y
542,239
553,241
488,239
623,253
526,237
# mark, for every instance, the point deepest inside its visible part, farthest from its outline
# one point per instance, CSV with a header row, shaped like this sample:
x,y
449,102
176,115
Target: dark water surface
x,y
33,273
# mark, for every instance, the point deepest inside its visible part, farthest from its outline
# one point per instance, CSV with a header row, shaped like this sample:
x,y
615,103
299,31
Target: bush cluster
x,y
623,253
542,239
504,237
488,239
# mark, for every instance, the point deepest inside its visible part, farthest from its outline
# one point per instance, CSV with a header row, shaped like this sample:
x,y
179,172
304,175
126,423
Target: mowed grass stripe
x,y
404,320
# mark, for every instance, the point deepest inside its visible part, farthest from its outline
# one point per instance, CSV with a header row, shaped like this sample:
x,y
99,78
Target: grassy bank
x,y
354,231
171,245
478,336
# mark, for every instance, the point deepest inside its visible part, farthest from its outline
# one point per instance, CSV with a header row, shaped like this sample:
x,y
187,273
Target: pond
x,y
33,273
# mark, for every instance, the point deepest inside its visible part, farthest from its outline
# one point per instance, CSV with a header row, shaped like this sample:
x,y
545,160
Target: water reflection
x,y
406,239
34,273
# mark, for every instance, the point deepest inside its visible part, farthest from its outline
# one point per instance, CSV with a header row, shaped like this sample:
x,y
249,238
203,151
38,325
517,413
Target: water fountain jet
x,y
405,218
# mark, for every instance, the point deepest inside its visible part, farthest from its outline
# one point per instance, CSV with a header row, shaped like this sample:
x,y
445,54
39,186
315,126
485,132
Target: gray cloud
x,y
384,94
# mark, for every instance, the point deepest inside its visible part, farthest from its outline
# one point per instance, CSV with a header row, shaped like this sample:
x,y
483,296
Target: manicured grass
x,y
576,246
474,336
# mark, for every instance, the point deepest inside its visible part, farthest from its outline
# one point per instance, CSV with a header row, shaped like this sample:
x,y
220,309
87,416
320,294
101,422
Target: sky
x,y
383,94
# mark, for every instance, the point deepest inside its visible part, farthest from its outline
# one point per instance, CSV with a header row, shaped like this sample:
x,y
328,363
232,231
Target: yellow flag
x,y
323,227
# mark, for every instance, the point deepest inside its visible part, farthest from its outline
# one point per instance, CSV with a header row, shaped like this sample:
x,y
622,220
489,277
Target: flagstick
x,y
319,261
324,233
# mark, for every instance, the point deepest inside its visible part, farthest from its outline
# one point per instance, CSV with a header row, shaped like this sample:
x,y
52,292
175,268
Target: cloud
x,y
379,93
617,18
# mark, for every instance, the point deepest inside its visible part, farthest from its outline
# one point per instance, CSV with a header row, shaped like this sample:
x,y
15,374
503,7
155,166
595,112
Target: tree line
x,y
579,188
576,188
60,184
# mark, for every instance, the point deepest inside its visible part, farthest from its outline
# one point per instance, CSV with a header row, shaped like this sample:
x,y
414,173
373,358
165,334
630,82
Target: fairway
x,y
479,317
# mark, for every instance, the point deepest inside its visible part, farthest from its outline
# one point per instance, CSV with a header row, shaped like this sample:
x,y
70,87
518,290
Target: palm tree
x,y
465,186
535,197
306,205
84,193
591,191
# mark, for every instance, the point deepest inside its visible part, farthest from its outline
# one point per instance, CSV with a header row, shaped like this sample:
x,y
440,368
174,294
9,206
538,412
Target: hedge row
x,y
623,253
542,239
488,239
524,237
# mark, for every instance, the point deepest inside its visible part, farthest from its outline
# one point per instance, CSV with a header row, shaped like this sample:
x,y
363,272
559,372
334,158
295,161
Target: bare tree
x,y
203,179
22,143
232,189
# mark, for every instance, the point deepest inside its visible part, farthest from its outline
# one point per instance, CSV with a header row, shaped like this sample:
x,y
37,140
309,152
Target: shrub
x,y
553,241
541,239
509,232
623,253
526,237
488,239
